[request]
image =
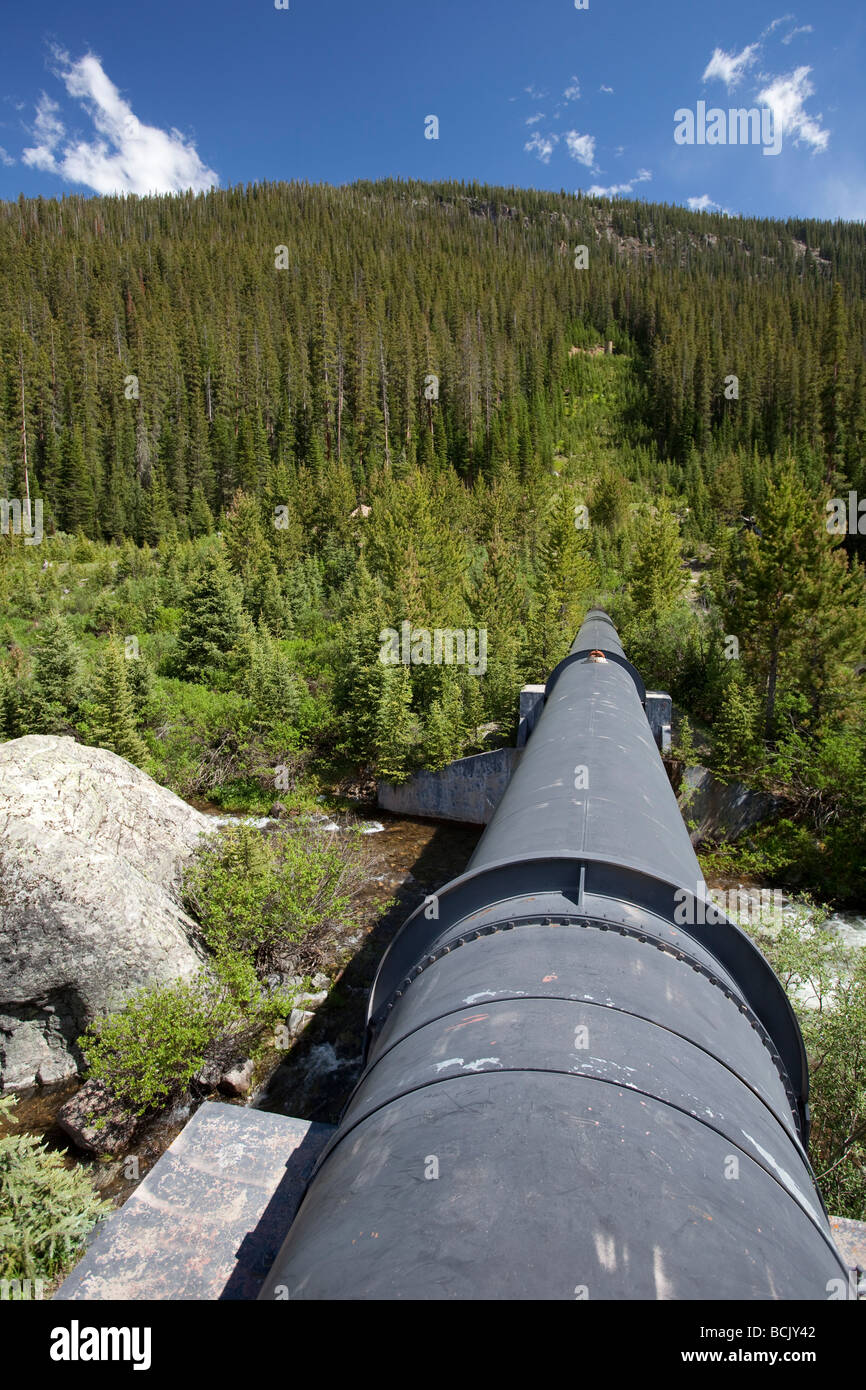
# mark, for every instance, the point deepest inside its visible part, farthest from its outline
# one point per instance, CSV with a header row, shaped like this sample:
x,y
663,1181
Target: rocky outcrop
x,y
90,855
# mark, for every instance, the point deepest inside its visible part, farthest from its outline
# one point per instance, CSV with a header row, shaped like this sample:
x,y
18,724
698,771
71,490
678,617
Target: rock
x,y
238,1081
96,1122
90,854
29,1055
311,1001
298,1020
58,1067
209,1076
321,982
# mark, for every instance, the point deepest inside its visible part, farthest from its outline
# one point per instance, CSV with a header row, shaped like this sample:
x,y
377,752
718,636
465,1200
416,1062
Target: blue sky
x,y
98,96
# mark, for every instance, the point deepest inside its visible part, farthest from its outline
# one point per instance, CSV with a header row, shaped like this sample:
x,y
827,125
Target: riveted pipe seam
x,y
621,929
537,1195
783,1119
489,886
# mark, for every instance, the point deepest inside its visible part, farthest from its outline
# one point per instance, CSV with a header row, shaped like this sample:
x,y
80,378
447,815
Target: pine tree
x,y
210,625
114,716
610,501
544,638
79,507
53,697
444,731
793,602
395,726
360,675
143,689
657,577
158,519
269,681
201,521
834,383
726,488
245,546
283,525
565,575
267,602
737,746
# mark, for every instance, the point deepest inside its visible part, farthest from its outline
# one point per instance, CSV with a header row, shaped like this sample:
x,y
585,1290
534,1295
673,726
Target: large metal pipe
x,y
581,1079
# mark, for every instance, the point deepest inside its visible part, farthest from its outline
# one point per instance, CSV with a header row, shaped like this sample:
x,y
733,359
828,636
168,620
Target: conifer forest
x,y
255,428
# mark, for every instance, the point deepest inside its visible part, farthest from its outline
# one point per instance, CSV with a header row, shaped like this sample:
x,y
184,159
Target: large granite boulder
x,y
90,855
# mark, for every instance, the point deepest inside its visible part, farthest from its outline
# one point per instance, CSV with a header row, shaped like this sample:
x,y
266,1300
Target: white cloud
x,y
597,191
572,92
786,97
785,94
616,189
49,130
125,156
801,29
6,158
603,88
581,147
533,120
730,67
534,92
703,204
541,145
784,19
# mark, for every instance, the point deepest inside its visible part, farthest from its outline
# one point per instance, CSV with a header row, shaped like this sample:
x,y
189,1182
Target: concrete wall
x,y
468,790
719,811
658,712
531,705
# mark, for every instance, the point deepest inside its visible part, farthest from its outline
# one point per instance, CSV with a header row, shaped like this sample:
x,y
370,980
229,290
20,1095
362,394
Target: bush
x,y
46,1209
789,853
827,986
262,903
149,1052
274,901
204,739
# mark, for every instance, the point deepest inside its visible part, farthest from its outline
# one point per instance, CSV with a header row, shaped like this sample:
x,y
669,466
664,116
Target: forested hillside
x,y
266,424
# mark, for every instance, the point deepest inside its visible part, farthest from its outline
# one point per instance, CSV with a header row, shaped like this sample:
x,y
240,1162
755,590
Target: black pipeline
x,y
567,1092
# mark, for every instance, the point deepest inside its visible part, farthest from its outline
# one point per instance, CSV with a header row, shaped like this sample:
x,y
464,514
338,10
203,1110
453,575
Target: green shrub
x,y
204,739
46,1209
148,1052
827,986
789,853
274,901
